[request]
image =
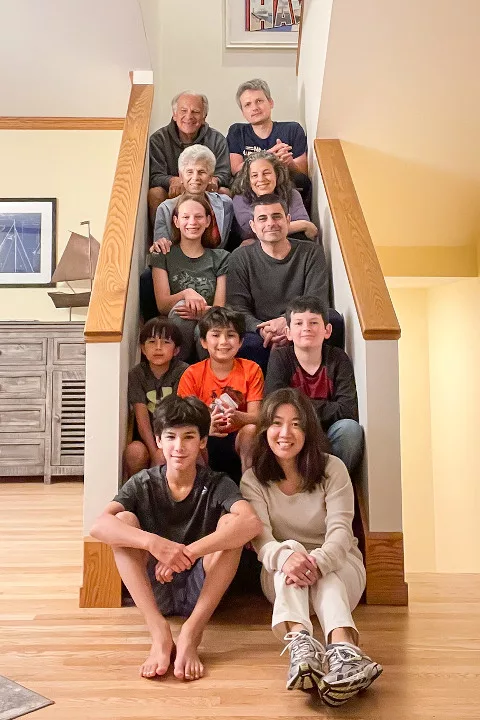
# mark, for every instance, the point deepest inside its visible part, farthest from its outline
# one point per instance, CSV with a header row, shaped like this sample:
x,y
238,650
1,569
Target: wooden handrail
x,y
106,313
61,123
372,300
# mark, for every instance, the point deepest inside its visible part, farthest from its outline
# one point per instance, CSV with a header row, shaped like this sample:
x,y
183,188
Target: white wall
x,y
187,47
77,168
401,77
313,53
70,58
107,379
375,363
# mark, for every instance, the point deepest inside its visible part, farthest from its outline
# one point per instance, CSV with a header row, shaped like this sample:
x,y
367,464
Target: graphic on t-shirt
x,y
153,399
201,284
236,395
249,149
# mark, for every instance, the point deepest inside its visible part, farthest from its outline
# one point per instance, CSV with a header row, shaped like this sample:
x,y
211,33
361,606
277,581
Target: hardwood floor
x,y
86,660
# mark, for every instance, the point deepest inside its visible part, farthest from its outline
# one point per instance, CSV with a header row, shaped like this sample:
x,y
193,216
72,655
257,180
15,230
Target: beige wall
x,y
187,48
411,204
454,339
411,307
440,418
77,168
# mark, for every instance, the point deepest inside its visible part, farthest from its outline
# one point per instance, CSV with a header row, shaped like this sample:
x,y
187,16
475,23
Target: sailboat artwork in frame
x,y
27,241
78,262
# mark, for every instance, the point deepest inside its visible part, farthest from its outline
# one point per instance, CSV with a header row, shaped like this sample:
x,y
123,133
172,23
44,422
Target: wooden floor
x,y
86,660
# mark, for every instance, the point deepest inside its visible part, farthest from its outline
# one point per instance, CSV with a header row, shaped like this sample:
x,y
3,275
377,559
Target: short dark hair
x,y
311,460
307,303
161,328
222,317
269,199
174,411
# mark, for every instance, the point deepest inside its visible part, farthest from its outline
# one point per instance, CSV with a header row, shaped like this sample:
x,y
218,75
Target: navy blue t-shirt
x,y
242,140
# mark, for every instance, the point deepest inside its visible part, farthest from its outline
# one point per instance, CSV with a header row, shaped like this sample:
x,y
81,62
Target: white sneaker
x,y
306,660
347,671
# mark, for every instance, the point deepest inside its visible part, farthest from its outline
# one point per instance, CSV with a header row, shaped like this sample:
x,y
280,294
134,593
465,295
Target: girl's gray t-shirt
x,y
200,273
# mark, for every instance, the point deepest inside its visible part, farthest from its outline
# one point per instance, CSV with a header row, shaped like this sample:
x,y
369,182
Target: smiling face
x,y
262,177
270,224
195,177
180,446
256,108
307,330
222,344
285,436
189,115
159,350
191,219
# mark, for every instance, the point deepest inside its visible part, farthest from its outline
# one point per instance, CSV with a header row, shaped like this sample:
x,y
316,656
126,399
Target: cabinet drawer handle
x,y
56,418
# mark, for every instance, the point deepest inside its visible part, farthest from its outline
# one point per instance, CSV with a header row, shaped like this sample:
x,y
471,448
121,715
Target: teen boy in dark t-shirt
x,y
186,525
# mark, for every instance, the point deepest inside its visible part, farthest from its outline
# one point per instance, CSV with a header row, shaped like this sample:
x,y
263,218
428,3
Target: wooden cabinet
x,y
42,399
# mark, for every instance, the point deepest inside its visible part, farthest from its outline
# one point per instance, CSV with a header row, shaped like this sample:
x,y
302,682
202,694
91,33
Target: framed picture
x,y
262,23
27,241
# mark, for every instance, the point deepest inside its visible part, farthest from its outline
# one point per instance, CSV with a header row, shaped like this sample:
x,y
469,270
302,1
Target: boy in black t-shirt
x,y
184,526
323,373
149,382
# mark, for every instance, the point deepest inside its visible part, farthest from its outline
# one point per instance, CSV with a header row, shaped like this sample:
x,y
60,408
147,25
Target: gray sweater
x,y
261,287
166,146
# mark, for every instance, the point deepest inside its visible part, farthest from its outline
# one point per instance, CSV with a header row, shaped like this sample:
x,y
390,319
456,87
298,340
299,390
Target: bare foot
x,y
158,661
187,663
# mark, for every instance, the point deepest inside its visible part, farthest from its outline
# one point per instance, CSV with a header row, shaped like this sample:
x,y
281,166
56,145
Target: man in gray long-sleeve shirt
x,y
264,277
187,127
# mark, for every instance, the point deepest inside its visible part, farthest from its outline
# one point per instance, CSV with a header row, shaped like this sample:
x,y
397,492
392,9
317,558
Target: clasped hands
x,y
273,332
172,558
300,570
222,421
283,152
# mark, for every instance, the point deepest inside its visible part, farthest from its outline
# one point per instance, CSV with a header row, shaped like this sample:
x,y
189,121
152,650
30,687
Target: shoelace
x,y
300,643
336,656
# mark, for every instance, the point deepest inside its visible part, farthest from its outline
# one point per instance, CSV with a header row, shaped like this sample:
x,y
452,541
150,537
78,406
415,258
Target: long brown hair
x,y
201,200
311,460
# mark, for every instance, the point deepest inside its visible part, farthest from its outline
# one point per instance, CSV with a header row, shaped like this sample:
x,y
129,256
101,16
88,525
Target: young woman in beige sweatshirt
x,y
311,562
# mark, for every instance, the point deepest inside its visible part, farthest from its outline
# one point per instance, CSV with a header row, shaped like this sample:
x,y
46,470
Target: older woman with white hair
x,y
196,166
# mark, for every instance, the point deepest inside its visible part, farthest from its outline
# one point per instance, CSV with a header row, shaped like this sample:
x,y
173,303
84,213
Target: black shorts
x,y
179,596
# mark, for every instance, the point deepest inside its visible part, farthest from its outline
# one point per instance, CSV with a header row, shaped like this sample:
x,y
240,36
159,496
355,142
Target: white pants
x,y
332,598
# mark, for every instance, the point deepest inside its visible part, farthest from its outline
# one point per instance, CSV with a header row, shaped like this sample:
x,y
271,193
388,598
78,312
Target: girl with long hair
x,y
311,562
191,278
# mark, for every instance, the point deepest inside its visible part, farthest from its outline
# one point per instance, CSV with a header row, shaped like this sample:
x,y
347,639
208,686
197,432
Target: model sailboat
x,y
78,262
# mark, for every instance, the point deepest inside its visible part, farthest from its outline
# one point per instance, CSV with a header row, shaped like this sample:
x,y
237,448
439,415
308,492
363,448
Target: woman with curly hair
x,y
261,174
311,561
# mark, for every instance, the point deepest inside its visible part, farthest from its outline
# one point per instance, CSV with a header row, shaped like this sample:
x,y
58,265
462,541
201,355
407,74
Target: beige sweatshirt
x,y
319,522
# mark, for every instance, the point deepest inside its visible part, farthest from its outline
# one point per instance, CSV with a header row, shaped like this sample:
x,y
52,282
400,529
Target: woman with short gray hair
x,y
196,166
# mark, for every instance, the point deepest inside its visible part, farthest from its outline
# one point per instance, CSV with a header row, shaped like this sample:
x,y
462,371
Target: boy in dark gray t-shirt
x,y
149,382
177,533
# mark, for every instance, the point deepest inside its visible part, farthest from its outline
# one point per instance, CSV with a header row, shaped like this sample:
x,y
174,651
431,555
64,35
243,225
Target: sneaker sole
x,y
335,694
305,679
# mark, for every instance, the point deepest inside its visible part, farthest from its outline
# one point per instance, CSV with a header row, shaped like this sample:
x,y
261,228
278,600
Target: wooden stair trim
x,y
106,313
372,300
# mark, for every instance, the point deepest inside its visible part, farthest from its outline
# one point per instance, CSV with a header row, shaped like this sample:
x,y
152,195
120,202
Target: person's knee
x,y
346,429
136,457
128,518
156,195
245,437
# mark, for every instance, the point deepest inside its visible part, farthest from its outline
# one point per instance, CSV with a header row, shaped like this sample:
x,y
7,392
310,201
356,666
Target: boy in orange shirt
x,y
231,387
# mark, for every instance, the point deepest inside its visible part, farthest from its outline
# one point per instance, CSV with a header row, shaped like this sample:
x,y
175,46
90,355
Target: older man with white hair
x,y
187,127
